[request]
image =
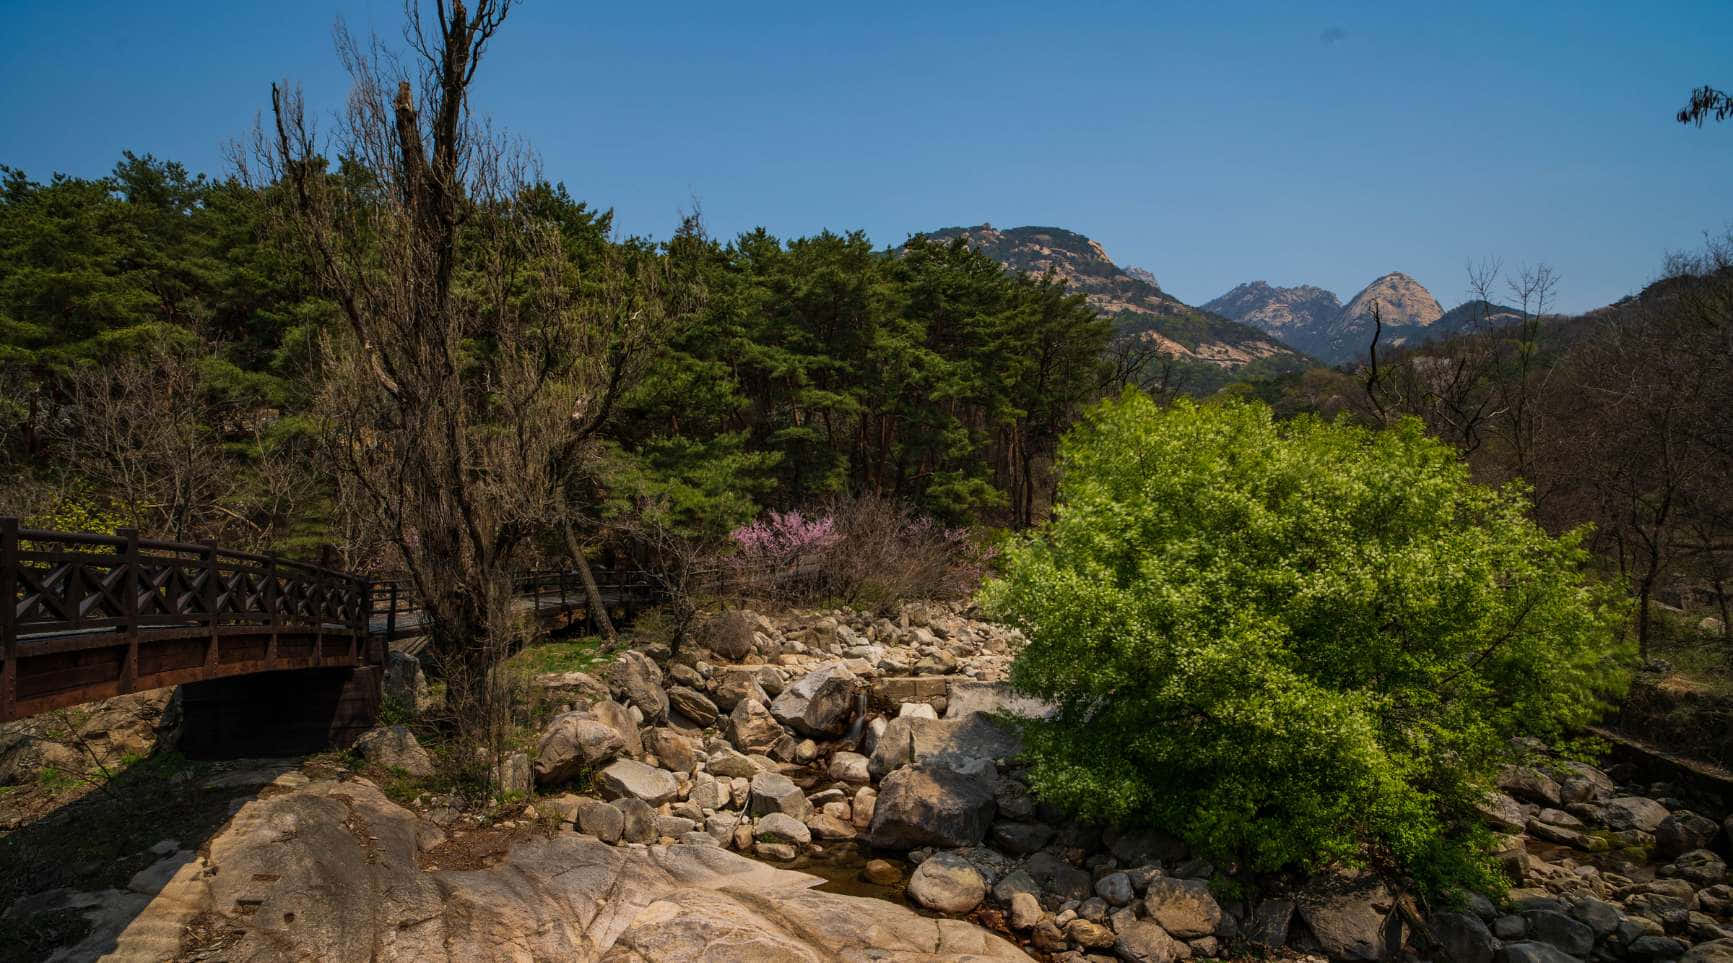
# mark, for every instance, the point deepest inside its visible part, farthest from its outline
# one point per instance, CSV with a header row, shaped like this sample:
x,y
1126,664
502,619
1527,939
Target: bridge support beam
x,y
278,713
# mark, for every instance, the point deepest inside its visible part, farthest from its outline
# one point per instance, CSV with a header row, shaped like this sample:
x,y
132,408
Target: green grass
x,y
1703,657
575,655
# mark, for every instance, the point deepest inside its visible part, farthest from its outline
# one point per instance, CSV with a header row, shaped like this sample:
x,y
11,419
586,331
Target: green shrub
x,y
1294,643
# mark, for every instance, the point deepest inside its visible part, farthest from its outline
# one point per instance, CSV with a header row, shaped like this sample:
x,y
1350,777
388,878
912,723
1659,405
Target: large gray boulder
x,y
946,803
1634,812
1350,916
636,678
579,689
395,747
772,792
631,779
915,740
1464,938
574,743
821,704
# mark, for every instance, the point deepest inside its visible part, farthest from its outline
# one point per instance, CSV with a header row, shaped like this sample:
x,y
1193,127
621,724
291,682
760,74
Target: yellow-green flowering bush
x,y
1294,643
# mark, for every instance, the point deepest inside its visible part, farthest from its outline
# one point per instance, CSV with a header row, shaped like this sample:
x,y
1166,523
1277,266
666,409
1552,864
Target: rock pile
x,y
788,737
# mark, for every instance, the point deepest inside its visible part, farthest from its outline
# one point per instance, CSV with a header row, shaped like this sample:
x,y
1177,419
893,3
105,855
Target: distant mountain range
x,y
1215,349
1255,329
1312,320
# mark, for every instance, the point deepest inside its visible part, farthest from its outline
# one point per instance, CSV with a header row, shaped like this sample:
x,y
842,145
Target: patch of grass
x,y
573,655
1701,656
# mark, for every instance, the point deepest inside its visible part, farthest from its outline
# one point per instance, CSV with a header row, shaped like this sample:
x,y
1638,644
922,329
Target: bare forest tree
x,y
473,366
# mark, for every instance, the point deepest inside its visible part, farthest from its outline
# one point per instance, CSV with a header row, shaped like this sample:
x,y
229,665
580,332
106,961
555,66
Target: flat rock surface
x,y
330,871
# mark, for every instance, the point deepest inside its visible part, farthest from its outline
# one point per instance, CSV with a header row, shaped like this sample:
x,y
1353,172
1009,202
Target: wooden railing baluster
x,y
8,616
129,605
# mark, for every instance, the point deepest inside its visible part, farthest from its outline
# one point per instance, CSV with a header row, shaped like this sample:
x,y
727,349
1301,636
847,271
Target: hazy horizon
x,y
1325,147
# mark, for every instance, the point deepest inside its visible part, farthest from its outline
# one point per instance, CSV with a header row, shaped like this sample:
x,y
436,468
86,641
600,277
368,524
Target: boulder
x,y
1559,930
1025,911
618,718
729,634
1146,942
1347,914
673,749
630,779
599,819
938,804
751,727
1527,782
1183,907
735,684
773,792
1634,812
822,703
1116,889
572,744
395,747
1714,951
779,827
638,821
947,883
579,689
1503,813
405,684
1682,832
1056,876
726,762
850,767
635,678
693,705
1267,926
1020,839
1089,934
911,740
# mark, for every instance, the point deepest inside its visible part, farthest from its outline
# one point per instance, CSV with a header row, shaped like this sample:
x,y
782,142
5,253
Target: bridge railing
x,y
91,599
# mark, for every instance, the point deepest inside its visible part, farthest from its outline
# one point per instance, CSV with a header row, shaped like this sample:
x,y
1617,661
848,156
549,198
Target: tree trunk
x,y
592,591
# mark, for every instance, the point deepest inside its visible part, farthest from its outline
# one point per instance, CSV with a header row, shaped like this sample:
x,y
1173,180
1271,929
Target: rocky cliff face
x,y
1217,348
1311,319
1280,311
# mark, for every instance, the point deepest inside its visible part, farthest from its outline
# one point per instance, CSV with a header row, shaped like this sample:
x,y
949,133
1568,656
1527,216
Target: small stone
x,y
882,872
1025,910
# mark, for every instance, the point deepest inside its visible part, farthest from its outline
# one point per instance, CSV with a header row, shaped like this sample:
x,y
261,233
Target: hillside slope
x,y
1214,350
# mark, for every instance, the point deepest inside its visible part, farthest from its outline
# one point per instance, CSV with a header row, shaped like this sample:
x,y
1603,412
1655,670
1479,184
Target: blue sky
x,y
1210,143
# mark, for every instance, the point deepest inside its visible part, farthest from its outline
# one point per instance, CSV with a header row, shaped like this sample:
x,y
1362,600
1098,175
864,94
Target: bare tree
x,y
472,368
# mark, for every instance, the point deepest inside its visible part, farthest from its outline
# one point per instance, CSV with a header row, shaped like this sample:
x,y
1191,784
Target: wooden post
x,y
129,606
271,606
8,616
208,562
391,615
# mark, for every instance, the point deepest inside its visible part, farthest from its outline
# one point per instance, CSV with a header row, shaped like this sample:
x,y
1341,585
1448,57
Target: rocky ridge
x,y
1130,296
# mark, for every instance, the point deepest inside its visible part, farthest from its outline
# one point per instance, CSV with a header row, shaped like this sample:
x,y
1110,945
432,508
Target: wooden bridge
x,y
273,655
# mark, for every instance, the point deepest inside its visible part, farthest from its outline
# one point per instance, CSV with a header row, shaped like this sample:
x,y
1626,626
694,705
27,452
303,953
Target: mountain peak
x,y
1401,300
